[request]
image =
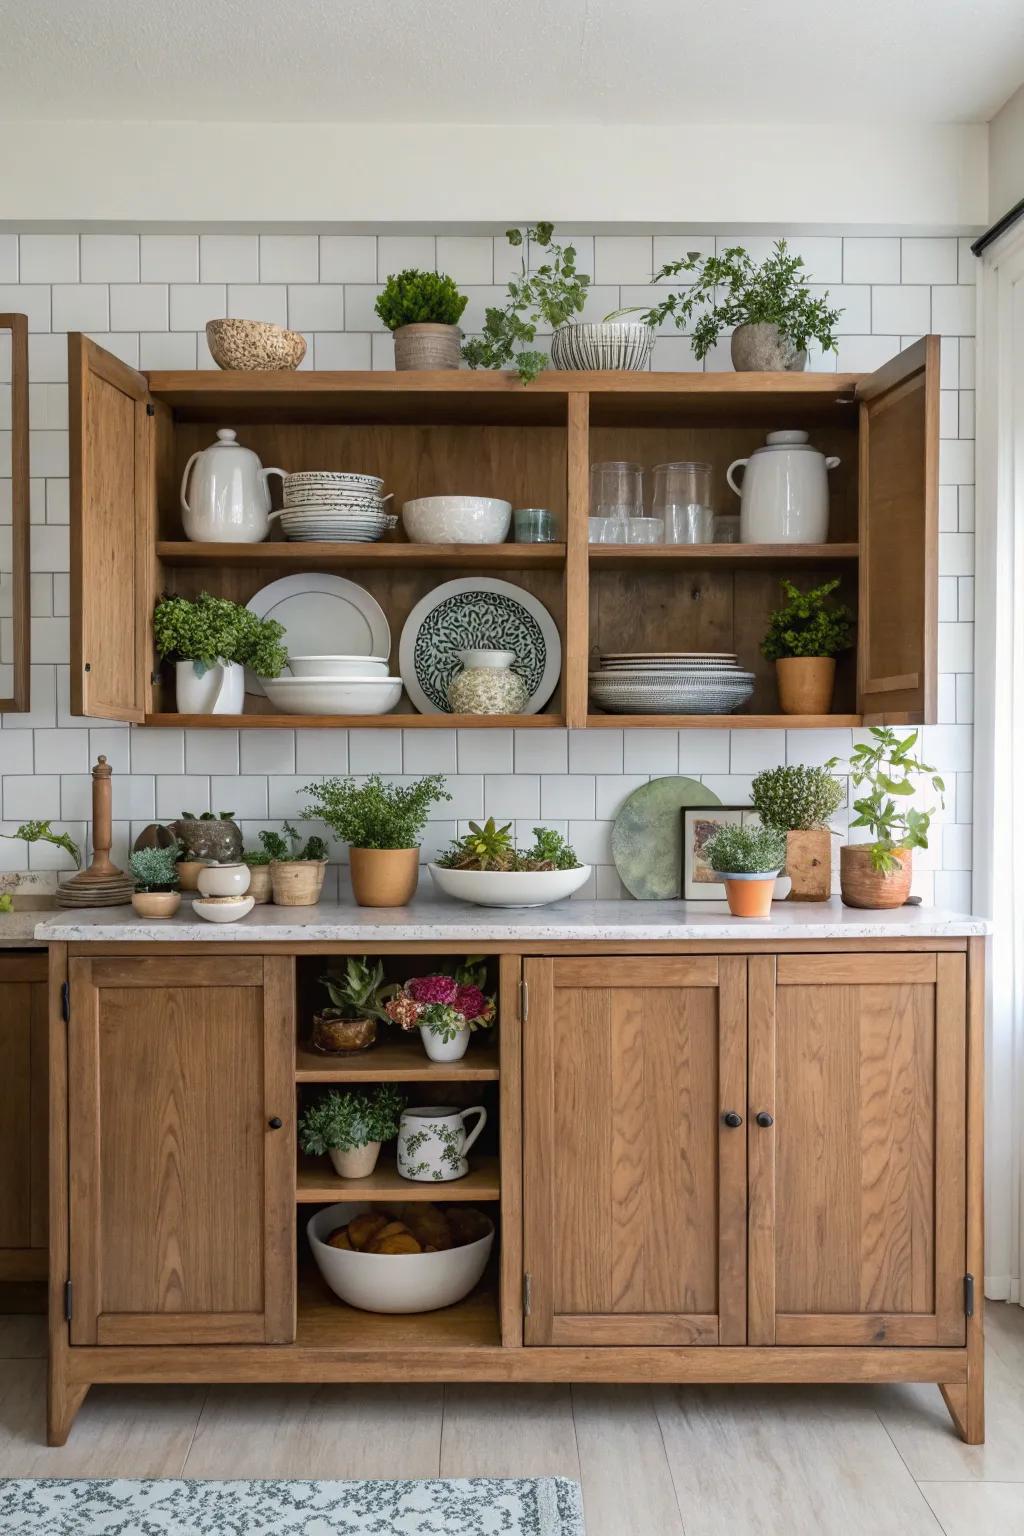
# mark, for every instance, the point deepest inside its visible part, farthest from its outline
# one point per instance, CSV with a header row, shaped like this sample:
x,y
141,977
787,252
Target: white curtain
x,y
999,744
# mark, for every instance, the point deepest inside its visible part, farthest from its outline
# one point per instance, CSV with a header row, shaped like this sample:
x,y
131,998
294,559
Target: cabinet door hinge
x,y
150,410
968,1295
65,1001
527,1295
68,1306
524,999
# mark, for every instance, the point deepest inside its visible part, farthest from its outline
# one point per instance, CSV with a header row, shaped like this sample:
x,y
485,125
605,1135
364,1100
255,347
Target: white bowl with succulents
x,y
485,867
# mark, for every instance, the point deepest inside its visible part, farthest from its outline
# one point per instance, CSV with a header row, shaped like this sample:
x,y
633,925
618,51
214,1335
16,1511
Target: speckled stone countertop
x,y
430,919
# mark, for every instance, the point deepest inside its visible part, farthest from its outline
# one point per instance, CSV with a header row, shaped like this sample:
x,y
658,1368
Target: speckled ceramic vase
x,y
487,685
760,349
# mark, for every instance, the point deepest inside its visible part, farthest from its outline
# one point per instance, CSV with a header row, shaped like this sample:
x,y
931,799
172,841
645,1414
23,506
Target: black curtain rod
x,y
1008,220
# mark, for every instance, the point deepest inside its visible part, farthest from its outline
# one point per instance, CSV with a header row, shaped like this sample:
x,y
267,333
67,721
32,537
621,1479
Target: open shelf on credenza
x,y
397,1061
324,1322
303,556
671,556
318,1184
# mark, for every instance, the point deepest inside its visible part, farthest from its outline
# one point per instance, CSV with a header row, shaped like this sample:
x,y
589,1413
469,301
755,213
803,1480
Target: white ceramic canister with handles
x,y
784,494
228,501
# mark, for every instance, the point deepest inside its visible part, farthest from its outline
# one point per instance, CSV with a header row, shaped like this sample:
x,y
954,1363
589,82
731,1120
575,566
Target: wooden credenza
x,y
23,1149
734,1161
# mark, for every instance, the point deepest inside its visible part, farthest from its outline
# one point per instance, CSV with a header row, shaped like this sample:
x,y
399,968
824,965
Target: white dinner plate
x,y
322,613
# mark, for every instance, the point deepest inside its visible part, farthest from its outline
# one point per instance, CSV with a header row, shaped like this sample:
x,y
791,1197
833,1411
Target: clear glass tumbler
x,y
682,499
616,490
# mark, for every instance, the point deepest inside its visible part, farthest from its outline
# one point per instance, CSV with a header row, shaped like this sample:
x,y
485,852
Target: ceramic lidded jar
x,y
487,685
784,495
228,500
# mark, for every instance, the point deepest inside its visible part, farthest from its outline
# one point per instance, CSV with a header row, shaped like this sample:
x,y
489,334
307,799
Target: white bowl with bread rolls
x,y
407,1273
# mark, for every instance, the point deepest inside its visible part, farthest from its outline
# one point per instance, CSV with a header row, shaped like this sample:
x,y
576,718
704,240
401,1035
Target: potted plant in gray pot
x,y
422,311
878,873
349,1126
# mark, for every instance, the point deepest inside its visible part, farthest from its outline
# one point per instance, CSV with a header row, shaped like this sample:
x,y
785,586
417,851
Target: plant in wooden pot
x,y
261,887
357,994
382,824
297,868
155,872
799,802
747,860
803,638
885,770
211,641
445,1008
422,311
349,1126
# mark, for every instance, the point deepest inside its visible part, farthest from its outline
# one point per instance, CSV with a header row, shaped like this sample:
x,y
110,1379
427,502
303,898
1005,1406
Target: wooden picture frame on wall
x,y
16,665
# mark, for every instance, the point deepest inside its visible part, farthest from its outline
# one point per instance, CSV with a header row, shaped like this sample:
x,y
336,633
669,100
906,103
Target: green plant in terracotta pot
x,y
878,873
155,872
799,801
422,311
748,861
349,1126
358,995
803,638
382,824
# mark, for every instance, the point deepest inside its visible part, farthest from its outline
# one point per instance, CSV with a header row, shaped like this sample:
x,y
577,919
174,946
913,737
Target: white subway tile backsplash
x,y
650,752
47,355
62,752
289,258
8,258
138,307
274,751
16,753
158,751
929,259
396,253
360,314
167,349
375,751
613,789
855,303
31,797
229,258
341,350
466,258
243,794
110,259
964,697
177,793
211,752
507,795
956,554
169,258
33,301
48,258
871,259
863,354
898,311
567,794
316,307
954,310
192,304
596,751
80,307
956,647
348,258
623,259
541,751
484,751
429,752
315,752
956,462
258,301
754,750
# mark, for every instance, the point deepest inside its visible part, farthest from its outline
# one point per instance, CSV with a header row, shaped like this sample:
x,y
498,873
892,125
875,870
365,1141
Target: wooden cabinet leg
x,y
966,1403
62,1404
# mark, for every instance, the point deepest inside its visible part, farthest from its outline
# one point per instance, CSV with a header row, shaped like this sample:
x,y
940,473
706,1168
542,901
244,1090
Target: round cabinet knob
x,y
732,1119
275,1122
764,1120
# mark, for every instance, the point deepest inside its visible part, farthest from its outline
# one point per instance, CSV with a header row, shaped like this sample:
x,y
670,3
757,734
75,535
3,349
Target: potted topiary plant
x,y
297,868
211,641
382,824
799,802
422,311
878,873
446,1009
350,1126
357,995
747,860
803,638
155,871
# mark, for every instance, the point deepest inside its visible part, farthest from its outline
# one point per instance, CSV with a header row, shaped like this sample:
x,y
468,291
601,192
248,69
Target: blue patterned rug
x,y
476,1506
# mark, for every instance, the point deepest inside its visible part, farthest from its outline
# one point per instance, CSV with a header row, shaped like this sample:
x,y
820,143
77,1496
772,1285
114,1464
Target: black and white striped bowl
x,y
602,344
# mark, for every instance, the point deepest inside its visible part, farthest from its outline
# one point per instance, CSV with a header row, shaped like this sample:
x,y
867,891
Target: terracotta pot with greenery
x,y
155,872
357,995
799,802
212,640
748,861
297,868
422,311
349,1126
878,873
382,824
803,638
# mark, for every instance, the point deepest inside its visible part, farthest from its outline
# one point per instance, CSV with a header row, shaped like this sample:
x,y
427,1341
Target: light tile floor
x,y
783,1461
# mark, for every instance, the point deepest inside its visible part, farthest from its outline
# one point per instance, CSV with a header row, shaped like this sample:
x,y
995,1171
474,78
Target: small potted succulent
x,y
357,995
446,1009
349,1126
799,801
747,860
878,873
422,311
155,872
486,868
382,824
803,638
297,868
211,641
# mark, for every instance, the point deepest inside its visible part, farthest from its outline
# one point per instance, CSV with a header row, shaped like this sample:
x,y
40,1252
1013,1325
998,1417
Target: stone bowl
x,y
254,346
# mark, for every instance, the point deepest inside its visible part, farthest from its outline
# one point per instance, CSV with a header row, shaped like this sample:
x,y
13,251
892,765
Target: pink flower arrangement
x,y
442,1004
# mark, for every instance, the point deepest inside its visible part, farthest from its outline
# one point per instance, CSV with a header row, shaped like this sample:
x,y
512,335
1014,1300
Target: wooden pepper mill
x,y
102,884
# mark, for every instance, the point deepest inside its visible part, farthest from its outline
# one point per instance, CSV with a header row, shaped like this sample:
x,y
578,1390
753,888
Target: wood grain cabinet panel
x,y
23,1225
634,1186
181,1190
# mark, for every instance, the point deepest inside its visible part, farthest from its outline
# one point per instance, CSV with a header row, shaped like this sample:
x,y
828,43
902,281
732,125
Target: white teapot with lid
x,y
784,495
229,498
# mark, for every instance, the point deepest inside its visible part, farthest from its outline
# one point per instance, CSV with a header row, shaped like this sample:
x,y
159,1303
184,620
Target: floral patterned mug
x,y
432,1142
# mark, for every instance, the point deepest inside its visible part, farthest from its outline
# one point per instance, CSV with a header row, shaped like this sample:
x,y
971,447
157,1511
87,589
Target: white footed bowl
x,y
494,888
394,1282
457,520
224,911
338,666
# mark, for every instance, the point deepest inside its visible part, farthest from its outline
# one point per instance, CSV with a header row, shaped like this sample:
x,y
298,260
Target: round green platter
x,y
647,837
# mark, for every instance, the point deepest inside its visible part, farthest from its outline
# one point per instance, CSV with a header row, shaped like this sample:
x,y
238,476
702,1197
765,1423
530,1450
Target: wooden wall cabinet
x,y
23,1139
435,433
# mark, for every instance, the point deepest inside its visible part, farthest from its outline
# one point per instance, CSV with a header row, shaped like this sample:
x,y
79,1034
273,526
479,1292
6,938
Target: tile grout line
x,y
195,1429
916,1481
668,1459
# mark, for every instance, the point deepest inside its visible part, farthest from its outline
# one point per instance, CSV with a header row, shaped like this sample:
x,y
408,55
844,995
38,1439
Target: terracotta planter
x,y
427,346
806,684
357,1162
384,877
749,895
335,1035
188,874
809,864
759,348
297,882
261,887
862,886
156,903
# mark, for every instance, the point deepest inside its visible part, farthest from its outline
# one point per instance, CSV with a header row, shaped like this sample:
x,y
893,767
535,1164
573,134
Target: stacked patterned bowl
x,y
670,683
337,507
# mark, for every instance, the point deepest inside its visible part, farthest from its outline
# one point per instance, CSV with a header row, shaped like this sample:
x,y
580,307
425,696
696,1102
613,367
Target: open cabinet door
x,y
899,476
110,486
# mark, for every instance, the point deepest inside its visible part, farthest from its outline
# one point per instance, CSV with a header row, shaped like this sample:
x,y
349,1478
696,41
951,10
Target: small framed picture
x,y
700,824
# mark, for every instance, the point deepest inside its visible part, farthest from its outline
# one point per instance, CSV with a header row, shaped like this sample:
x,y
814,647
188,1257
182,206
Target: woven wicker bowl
x,y
254,346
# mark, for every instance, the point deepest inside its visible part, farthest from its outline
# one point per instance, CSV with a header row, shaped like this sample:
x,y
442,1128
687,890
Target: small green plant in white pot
x,y
748,860
211,641
155,872
349,1126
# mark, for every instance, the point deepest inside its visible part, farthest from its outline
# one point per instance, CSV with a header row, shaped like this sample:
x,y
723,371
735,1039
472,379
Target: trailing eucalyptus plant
x,y
886,766
552,292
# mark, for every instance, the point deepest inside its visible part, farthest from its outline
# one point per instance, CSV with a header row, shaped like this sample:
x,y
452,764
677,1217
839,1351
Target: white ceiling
x,y
508,61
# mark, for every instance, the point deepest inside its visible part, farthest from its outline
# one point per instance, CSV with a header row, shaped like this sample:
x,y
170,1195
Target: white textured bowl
x,y
223,911
457,520
224,879
495,888
338,666
394,1282
333,695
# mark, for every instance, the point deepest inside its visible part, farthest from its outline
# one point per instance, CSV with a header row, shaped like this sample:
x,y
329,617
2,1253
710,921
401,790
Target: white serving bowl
x,y
333,695
224,879
338,666
223,909
497,888
394,1282
457,520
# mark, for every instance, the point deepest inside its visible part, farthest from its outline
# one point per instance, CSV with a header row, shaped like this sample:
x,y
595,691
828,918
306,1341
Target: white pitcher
x,y
229,500
784,495
432,1142
216,690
